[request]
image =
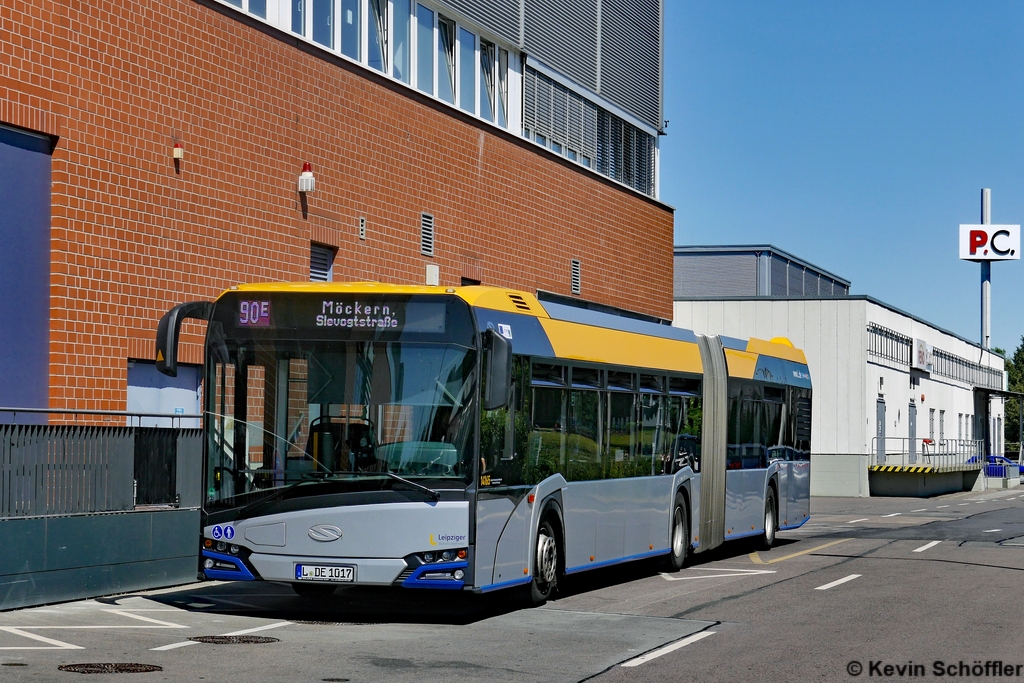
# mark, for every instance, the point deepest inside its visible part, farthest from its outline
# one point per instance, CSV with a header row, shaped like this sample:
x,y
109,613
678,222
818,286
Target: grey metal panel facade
x,y
499,17
631,57
715,275
564,36
611,47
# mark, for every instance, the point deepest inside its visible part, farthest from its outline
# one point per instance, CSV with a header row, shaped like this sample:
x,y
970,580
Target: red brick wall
x,y
133,234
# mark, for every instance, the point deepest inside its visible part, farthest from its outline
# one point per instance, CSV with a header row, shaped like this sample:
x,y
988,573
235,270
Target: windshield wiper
x,y
434,495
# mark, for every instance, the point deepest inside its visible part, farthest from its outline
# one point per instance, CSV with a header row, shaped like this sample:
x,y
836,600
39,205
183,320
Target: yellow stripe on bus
x,y
741,364
767,348
599,345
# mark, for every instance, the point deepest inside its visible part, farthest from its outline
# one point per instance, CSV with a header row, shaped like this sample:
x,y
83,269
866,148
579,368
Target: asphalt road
x,y
918,585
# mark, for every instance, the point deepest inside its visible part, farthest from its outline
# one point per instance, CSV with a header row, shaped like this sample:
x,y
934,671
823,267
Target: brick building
x,y
502,142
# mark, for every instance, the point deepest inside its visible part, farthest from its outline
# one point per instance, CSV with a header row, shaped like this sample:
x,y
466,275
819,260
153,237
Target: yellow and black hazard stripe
x,y
901,468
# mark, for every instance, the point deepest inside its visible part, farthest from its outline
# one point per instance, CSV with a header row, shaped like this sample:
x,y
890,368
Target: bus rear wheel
x,y
770,520
679,549
545,565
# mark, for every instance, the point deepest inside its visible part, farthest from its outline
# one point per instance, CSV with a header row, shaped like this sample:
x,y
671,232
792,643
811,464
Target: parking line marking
x,y
258,628
186,643
730,573
895,514
756,558
173,646
688,640
56,644
962,504
921,510
851,577
990,531
926,546
125,613
862,519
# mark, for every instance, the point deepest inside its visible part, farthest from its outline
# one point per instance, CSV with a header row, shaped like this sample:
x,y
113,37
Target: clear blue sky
x,y
855,135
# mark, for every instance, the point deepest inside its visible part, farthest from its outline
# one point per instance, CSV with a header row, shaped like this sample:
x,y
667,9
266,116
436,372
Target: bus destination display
x,y
371,316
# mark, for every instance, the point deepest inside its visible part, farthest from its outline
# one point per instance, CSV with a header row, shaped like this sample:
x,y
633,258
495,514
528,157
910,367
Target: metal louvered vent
x,y
426,234
321,263
575,276
519,302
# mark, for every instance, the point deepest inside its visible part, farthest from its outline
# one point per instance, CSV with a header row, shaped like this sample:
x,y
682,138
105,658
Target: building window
x,y
323,22
605,142
467,71
575,277
321,263
350,28
931,424
503,88
486,80
446,59
258,8
402,41
425,49
299,17
377,45
942,426
959,426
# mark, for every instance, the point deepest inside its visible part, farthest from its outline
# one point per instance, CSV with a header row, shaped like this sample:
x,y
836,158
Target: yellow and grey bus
x,y
475,438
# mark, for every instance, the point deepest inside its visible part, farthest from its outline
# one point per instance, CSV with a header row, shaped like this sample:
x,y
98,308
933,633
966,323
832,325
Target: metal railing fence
x,y
68,469
942,454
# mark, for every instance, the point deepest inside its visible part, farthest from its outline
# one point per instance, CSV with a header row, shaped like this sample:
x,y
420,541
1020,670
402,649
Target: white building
x,y
900,405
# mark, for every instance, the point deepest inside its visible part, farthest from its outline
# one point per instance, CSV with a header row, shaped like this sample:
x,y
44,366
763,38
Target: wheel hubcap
x,y
547,559
677,533
769,523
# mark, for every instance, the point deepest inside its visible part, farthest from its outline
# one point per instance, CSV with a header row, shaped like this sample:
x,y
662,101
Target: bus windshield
x,y
281,412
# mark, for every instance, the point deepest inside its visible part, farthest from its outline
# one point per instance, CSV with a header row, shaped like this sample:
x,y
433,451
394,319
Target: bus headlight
x,y
448,555
234,549
459,574
221,546
428,557
208,563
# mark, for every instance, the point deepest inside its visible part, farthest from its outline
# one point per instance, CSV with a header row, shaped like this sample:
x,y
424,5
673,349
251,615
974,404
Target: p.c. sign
x,y
990,242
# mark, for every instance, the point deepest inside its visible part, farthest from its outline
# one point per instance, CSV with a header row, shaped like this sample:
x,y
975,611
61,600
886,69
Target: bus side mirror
x,y
169,328
498,371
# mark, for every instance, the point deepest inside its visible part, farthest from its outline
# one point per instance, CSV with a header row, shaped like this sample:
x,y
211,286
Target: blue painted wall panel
x,y
24,269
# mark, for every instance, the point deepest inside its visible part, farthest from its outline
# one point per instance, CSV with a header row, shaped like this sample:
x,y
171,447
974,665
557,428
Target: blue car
x,y
996,465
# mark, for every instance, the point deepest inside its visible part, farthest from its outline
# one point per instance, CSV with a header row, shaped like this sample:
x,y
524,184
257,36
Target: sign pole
x,y
986,275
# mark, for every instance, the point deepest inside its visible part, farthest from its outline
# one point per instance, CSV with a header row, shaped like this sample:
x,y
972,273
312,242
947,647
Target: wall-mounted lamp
x,y
178,151
307,183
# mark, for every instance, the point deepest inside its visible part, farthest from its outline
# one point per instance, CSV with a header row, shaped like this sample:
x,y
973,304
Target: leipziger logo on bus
x,y
355,314
447,539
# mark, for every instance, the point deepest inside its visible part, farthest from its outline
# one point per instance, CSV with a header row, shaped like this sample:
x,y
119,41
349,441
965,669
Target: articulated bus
x,y
474,438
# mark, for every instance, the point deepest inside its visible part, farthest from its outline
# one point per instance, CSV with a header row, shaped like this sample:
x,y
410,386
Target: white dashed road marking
x,y
851,577
990,531
921,510
895,514
688,640
862,519
926,546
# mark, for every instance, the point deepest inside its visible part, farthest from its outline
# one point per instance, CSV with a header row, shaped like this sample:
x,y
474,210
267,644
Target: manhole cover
x,y
109,668
234,640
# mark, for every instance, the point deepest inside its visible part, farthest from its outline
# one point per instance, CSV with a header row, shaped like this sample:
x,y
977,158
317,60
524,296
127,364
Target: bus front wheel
x,y
770,520
545,564
680,539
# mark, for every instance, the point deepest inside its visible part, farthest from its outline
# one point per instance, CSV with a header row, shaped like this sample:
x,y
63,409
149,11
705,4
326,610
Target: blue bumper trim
x,y
795,526
608,563
243,573
506,584
414,581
